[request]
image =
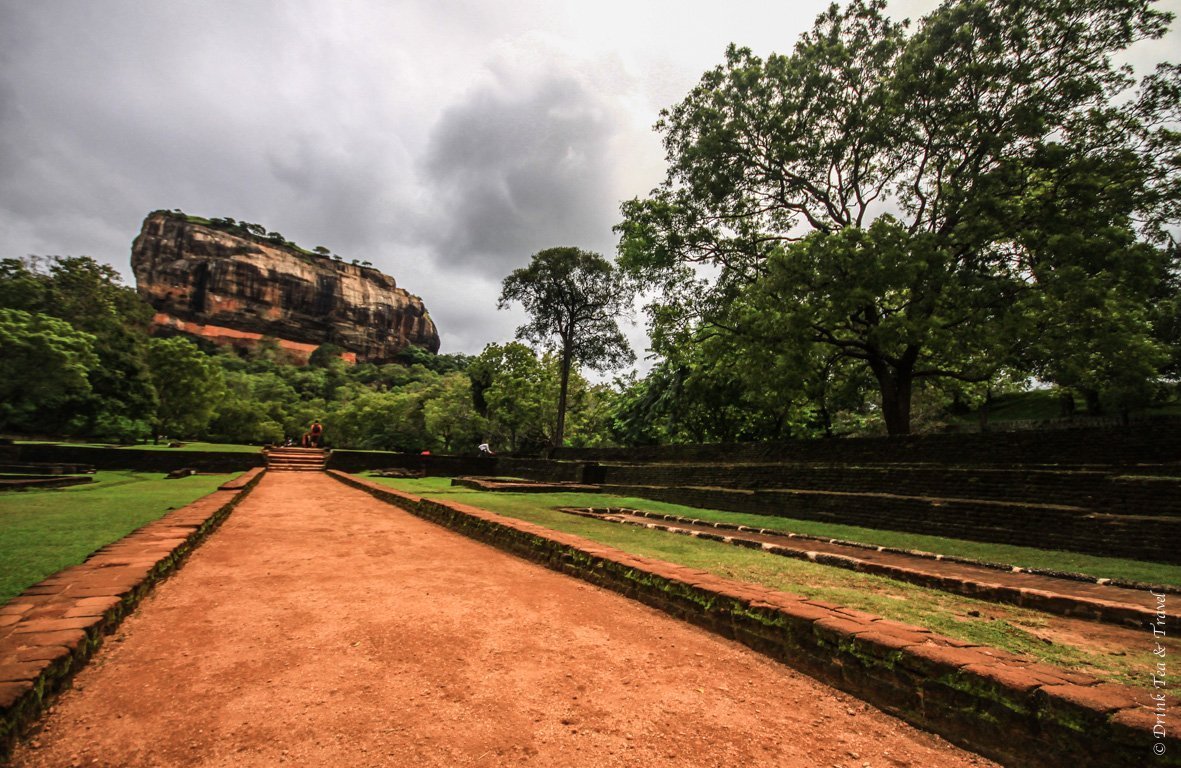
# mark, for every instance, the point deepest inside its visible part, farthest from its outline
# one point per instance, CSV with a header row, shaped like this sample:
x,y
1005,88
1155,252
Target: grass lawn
x,y
198,446
44,531
1005,554
1014,629
194,446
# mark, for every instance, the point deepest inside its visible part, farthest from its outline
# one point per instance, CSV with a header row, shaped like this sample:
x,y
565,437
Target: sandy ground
x,y
320,627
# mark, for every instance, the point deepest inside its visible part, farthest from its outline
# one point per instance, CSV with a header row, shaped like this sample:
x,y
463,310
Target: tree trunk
x,y
895,384
1094,404
560,431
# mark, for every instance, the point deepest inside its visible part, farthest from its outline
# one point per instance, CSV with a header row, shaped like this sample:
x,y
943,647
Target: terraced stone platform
x,y
1132,606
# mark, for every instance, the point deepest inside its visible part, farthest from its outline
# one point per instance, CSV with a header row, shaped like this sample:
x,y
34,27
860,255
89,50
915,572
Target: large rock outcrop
x,y
232,287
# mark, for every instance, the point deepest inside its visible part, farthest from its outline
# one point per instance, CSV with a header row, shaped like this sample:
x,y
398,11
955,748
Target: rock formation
x,y
233,287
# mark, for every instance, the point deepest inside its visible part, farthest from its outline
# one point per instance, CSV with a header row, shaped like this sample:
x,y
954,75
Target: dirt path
x,y
320,627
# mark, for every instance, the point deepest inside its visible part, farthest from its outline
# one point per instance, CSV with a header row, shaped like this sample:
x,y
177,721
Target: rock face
x,y
235,288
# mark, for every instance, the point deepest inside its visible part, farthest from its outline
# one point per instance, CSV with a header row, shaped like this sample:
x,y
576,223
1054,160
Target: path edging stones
x,y
49,631
993,702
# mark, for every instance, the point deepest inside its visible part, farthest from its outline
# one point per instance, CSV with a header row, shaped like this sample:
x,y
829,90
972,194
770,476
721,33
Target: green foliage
x,y
450,417
512,389
88,295
975,198
43,362
386,421
516,394
189,385
326,355
574,299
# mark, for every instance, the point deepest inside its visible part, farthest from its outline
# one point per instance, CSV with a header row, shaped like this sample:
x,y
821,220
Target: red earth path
x,y
321,627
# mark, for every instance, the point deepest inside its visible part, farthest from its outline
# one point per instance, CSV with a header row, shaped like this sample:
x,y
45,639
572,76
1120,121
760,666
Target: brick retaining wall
x,y
987,700
434,466
1157,442
1105,490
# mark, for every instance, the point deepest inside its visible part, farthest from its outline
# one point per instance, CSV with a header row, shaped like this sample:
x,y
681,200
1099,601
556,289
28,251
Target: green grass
x,y
1014,629
1004,554
198,446
44,531
194,446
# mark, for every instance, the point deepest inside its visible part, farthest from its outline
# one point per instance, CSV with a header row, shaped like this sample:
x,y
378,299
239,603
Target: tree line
x,y
892,225
77,359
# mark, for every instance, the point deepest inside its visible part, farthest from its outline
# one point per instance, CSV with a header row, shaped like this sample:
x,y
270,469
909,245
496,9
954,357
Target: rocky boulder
x,y
233,287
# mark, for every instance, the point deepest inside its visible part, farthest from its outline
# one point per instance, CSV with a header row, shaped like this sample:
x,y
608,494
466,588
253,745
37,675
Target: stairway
x,y
296,459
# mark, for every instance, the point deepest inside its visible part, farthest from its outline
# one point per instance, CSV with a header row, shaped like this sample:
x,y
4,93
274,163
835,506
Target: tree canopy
x,y
574,299
920,203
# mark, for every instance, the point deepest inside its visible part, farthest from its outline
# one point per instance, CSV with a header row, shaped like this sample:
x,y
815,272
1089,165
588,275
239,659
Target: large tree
x,y
574,299
905,199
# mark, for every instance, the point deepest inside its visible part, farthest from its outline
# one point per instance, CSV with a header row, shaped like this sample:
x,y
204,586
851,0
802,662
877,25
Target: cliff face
x,y
237,289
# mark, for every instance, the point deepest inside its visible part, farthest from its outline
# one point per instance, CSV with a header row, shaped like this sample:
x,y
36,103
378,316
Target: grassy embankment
x,y
1014,629
194,446
44,531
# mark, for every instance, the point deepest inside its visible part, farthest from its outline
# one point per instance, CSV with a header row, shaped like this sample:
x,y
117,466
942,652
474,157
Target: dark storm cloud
x,y
444,141
515,169
110,110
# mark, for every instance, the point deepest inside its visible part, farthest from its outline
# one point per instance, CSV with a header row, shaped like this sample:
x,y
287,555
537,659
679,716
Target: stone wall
x,y
432,465
1157,442
1109,491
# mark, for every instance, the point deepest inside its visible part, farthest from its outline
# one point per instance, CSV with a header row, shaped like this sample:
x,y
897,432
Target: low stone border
x,y
511,485
996,703
48,632
1010,584
1124,583
29,483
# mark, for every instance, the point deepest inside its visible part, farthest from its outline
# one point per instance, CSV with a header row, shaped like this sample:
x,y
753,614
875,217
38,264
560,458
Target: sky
x,y
445,141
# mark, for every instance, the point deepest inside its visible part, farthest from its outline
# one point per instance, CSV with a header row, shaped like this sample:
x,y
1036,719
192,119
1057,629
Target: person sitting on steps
x,y
316,435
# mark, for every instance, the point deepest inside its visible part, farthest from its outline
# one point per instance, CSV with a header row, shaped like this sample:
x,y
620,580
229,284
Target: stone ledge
x,y
995,583
60,622
984,699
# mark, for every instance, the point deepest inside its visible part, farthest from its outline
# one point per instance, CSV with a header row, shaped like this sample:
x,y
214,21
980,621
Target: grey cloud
x,y
513,170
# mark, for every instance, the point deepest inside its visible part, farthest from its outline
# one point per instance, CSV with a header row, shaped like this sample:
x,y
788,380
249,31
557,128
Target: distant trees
x,y
189,384
574,299
44,363
119,398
